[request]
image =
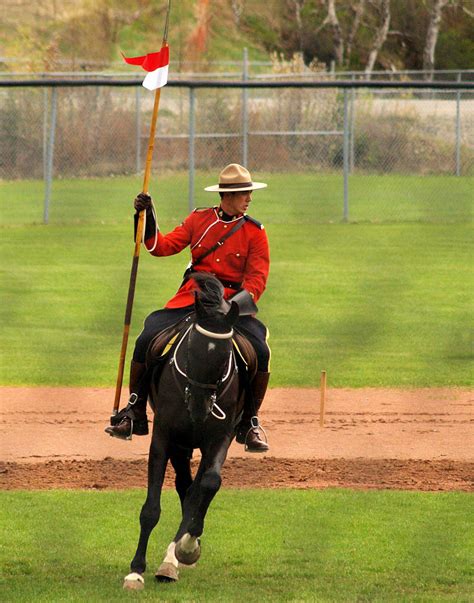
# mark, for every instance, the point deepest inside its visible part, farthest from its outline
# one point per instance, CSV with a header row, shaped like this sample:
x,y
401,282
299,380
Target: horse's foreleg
x,y
150,513
206,485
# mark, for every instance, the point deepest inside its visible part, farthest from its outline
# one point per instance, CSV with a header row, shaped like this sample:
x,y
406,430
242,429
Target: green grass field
x,y
382,301
375,304
333,545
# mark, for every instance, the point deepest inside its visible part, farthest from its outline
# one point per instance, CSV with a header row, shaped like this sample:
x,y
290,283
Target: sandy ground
x,y
372,438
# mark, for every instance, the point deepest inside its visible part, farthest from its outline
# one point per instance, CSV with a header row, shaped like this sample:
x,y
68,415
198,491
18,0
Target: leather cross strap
x,y
219,243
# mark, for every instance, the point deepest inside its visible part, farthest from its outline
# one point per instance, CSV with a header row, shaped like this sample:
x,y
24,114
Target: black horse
x,y
197,400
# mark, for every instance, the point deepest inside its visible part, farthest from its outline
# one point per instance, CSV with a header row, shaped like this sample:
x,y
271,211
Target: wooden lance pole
x,y
139,236
323,398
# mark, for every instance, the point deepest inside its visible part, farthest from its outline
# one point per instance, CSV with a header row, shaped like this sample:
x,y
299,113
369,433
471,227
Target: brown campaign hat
x,y
234,178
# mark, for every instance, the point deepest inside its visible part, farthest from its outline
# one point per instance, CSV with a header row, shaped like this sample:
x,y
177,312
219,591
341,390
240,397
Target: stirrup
x,y
129,437
131,402
109,428
255,424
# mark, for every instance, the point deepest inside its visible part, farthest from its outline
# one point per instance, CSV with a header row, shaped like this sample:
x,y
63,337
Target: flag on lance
x,y
156,63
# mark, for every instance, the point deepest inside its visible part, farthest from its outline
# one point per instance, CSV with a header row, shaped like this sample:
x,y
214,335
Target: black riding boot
x,y
132,418
248,432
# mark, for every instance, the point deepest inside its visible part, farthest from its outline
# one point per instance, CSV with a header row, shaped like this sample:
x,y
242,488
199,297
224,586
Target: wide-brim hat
x,y
234,178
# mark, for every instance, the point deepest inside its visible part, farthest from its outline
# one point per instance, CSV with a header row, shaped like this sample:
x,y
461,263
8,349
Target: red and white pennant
x,y
156,63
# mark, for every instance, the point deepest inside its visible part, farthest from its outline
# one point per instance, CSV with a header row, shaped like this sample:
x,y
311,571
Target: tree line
x,y
342,34
369,34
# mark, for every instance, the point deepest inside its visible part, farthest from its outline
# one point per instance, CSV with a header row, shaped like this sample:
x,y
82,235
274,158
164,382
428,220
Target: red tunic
x,y
243,258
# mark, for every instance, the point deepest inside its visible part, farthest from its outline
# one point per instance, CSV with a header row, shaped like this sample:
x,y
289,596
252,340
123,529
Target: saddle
x,y
245,352
161,344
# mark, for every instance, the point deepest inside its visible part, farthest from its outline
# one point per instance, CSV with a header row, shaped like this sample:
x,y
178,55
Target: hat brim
x,y
217,188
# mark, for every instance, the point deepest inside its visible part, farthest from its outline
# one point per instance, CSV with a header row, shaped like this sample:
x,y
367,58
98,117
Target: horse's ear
x,y
232,315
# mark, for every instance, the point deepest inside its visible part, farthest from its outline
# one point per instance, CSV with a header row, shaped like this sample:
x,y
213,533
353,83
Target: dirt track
x,y
372,438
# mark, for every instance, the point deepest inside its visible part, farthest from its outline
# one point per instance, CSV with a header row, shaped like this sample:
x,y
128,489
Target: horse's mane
x,y
210,293
213,312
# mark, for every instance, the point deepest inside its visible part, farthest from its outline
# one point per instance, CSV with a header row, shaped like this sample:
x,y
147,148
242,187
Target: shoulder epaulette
x,y
254,221
198,209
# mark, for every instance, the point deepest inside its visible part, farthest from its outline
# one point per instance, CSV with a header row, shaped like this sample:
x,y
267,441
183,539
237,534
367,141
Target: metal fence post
x,y
50,155
352,126
45,131
458,129
138,129
245,118
345,156
191,148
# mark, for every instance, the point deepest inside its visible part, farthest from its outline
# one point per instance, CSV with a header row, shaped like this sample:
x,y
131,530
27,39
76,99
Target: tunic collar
x,y
226,217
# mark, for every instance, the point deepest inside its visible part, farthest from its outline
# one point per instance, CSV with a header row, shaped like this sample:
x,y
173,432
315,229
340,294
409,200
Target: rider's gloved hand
x,y
244,300
143,202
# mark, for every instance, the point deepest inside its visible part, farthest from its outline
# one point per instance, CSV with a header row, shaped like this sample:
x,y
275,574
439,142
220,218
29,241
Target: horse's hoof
x,y
134,581
167,572
187,557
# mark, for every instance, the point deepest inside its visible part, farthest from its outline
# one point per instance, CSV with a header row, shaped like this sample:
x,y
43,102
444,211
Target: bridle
x,y
213,387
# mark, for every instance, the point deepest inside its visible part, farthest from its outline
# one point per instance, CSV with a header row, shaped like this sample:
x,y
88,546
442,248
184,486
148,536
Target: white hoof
x,y
134,581
167,572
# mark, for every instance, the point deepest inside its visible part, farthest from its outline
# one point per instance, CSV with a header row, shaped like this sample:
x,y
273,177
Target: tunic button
x,y
238,255
217,260
225,225
199,245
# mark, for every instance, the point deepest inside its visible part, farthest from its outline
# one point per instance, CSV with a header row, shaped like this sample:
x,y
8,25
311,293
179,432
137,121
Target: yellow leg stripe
x,y
267,337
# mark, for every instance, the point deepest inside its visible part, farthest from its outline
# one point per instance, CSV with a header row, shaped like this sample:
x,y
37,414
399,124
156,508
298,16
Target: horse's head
x,y
209,353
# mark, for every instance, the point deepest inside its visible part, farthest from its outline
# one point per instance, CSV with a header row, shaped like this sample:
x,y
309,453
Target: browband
x,y
207,333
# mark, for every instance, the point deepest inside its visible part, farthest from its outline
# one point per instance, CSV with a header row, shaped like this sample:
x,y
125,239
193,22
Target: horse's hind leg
x,y
150,513
180,459
168,570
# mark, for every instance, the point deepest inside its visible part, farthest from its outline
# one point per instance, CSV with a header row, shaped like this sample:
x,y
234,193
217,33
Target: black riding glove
x,y
143,202
245,302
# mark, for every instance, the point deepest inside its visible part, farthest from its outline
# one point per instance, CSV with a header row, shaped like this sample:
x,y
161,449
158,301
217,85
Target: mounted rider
x,y
229,244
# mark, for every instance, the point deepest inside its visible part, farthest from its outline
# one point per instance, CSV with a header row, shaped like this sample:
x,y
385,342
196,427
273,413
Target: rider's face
x,y
236,203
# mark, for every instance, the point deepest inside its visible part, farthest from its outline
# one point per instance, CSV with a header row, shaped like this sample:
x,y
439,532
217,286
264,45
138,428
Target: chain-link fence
x,y
330,151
